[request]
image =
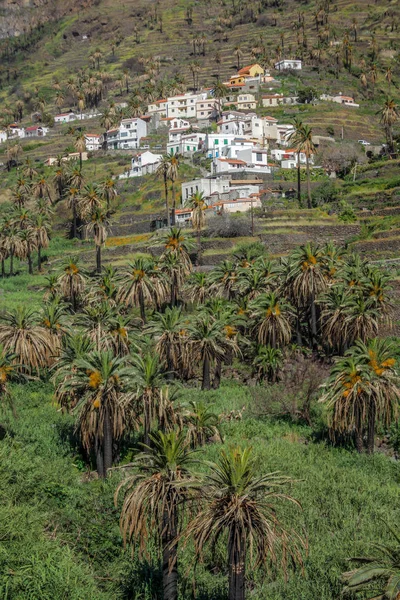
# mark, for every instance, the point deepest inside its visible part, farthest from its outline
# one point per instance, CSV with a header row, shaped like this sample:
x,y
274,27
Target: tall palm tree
x,y
294,138
148,380
208,343
137,287
13,244
41,188
162,171
166,328
173,169
378,577
107,191
237,503
389,115
154,499
80,146
306,146
41,228
384,392
101,382
73,203
72,281
89,200
272,316
22,335
307,280
27,246
98,227
198,205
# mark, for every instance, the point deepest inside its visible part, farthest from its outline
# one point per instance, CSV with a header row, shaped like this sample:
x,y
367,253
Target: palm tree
x,y
384,393
389,115
13,244
80,146
307,280
208,343
202,423
154,498
224,279
220,92
41,188
107,191
294,137
41,228
101,381
272,316
198,205
378,577
162,171
238,53
166,328
362,319
173,168
241,505
72,281
53,317
305,145
197,287
89,200
21,335
73,203
148,379
137,285
335,304
98,226
27,246
175,260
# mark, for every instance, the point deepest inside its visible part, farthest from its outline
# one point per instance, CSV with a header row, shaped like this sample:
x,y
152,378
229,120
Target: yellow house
x,y
251,71
237,80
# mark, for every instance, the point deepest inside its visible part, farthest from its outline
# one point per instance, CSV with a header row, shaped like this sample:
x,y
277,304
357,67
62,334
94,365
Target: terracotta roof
x,y
34,128
245,70
233,161
96,135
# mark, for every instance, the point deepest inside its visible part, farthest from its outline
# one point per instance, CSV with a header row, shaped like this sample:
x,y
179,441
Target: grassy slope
x,y
57,527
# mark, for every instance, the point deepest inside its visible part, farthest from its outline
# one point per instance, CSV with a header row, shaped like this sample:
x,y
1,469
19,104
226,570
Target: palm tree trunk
x,y
99,460
313,309
74,218
298,179
3,268
173,206
12,262
39,257
371,426
146,420
309,203
206,383
98,259
198,233
236,566
170,563
30,266
217,374
298,330
142,306
166,197
107,442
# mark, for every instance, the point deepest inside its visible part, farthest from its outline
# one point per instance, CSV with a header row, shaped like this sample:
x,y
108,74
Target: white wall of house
x,y
239,205
272,100
128,135
246,102
92,142
65,117
206,186
215,142
285,64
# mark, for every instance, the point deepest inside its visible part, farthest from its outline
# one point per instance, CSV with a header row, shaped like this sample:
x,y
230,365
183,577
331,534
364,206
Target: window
x,y
128,126
225,142
259,156
202,113
124,134
188,148
216,142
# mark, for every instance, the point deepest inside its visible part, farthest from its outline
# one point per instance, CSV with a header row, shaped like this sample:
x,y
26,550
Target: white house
x,y
128,135
187,144
36,131
205,186
216,141
158,107
3,137
16,131
340,99
246,102
65,117
288,158
206,108
92,142
286,64
143,164
271,100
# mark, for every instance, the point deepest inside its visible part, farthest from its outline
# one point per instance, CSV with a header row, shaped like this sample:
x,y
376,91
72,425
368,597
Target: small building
x,y
238,205
285,65
128,135
187,144
143,164
340,99
36,131
92,142
271,100
246,102
65,117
